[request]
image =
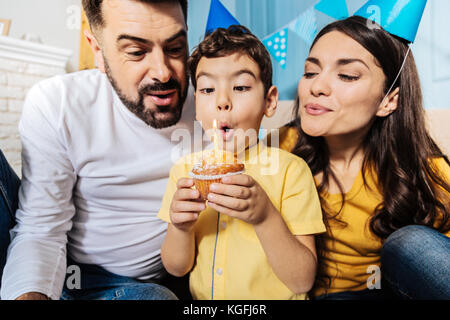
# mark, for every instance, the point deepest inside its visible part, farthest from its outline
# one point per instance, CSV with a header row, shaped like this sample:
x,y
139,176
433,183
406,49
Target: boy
x,y
254,239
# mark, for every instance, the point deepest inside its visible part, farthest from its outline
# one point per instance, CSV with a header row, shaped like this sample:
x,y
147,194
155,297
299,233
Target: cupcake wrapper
x,y
202,183
203,187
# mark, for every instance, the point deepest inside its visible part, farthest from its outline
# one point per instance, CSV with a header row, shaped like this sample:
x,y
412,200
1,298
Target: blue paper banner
x,y
277,45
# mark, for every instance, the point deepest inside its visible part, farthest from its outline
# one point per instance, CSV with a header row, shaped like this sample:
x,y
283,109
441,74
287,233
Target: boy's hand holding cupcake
x,y
186,205
234,194
241,197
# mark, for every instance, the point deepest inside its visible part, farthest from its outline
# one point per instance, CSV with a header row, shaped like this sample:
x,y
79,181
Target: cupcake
x,y
212,168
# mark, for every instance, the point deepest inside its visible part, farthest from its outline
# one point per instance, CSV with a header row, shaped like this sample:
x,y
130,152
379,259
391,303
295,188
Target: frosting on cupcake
x,y
214,164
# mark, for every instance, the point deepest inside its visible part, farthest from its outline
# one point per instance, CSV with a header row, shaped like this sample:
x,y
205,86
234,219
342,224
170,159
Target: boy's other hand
x,y
186,205
241,197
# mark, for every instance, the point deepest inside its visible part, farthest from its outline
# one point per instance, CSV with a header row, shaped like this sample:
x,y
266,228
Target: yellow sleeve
x,y
287,138
442,168
176,172
300,205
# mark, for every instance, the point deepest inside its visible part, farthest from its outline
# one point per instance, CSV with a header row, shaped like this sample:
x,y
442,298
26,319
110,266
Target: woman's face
x,y
341,90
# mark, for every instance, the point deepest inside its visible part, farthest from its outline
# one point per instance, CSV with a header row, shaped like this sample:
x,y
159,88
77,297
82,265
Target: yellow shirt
x,y
352,249
230,261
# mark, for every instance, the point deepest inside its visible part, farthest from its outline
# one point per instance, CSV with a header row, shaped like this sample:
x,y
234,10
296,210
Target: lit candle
x,y
216,138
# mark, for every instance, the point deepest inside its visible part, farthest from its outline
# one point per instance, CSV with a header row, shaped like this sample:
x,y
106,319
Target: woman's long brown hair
x,y
398,148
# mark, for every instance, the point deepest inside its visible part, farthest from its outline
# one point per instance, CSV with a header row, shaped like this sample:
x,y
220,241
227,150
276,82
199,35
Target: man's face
x,y
144,52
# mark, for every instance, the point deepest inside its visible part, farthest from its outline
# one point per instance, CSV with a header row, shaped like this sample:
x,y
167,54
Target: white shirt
x,y
94,176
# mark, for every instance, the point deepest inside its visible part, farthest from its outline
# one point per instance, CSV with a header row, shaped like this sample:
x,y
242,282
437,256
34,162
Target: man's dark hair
x,y
225,42
93,9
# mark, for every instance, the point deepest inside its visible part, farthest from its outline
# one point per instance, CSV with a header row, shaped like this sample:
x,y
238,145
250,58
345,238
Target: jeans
x,y
415,264
98,284
9,188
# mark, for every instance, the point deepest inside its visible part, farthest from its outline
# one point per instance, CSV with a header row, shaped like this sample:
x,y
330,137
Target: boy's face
x,y
230,90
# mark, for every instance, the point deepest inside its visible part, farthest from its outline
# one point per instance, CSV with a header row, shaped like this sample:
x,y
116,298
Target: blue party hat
x,y
219,17
398,17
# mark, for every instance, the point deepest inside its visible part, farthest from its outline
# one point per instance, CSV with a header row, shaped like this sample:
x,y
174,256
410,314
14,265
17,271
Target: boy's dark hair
x,y
93,9
225,42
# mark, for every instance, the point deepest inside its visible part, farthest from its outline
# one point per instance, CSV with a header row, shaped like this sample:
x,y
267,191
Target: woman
x,y
384,183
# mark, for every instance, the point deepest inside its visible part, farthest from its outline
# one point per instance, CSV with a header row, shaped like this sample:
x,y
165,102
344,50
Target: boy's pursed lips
x,y
226,130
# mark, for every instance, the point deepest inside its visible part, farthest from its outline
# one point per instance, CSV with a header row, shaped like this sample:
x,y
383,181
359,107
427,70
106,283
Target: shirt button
x,y
219,271
224,225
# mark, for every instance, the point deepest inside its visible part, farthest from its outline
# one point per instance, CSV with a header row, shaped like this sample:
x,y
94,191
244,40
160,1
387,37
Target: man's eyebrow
x,y
132,38
181,33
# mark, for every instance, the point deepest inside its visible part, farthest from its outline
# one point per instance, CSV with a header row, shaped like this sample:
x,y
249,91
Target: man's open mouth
x,y
163,98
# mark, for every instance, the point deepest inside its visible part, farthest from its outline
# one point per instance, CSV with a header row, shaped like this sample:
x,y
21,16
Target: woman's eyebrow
x,y
313,60
340,62
343,62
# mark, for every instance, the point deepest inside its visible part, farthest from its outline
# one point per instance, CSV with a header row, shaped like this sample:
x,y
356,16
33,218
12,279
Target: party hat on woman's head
x,y
219,17
398,17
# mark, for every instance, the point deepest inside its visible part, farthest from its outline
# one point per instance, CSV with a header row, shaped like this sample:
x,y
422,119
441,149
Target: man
x,y
96,157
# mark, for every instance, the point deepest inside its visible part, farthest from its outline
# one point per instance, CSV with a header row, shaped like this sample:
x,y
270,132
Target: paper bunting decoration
x,y
277,44
219,17
305,25
336,9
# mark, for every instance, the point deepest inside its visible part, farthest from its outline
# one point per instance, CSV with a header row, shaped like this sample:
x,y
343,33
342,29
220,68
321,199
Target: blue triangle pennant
x,y
305,25
277,45
219,17
336,9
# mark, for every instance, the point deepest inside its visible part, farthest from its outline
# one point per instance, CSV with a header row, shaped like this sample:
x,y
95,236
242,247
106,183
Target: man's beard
x,y
172,114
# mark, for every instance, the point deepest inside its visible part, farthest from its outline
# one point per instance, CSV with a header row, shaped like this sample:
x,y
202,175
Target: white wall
x,y
432,53
56,22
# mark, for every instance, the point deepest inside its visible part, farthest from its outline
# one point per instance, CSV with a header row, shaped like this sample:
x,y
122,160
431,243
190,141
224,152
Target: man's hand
x,y
33,296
